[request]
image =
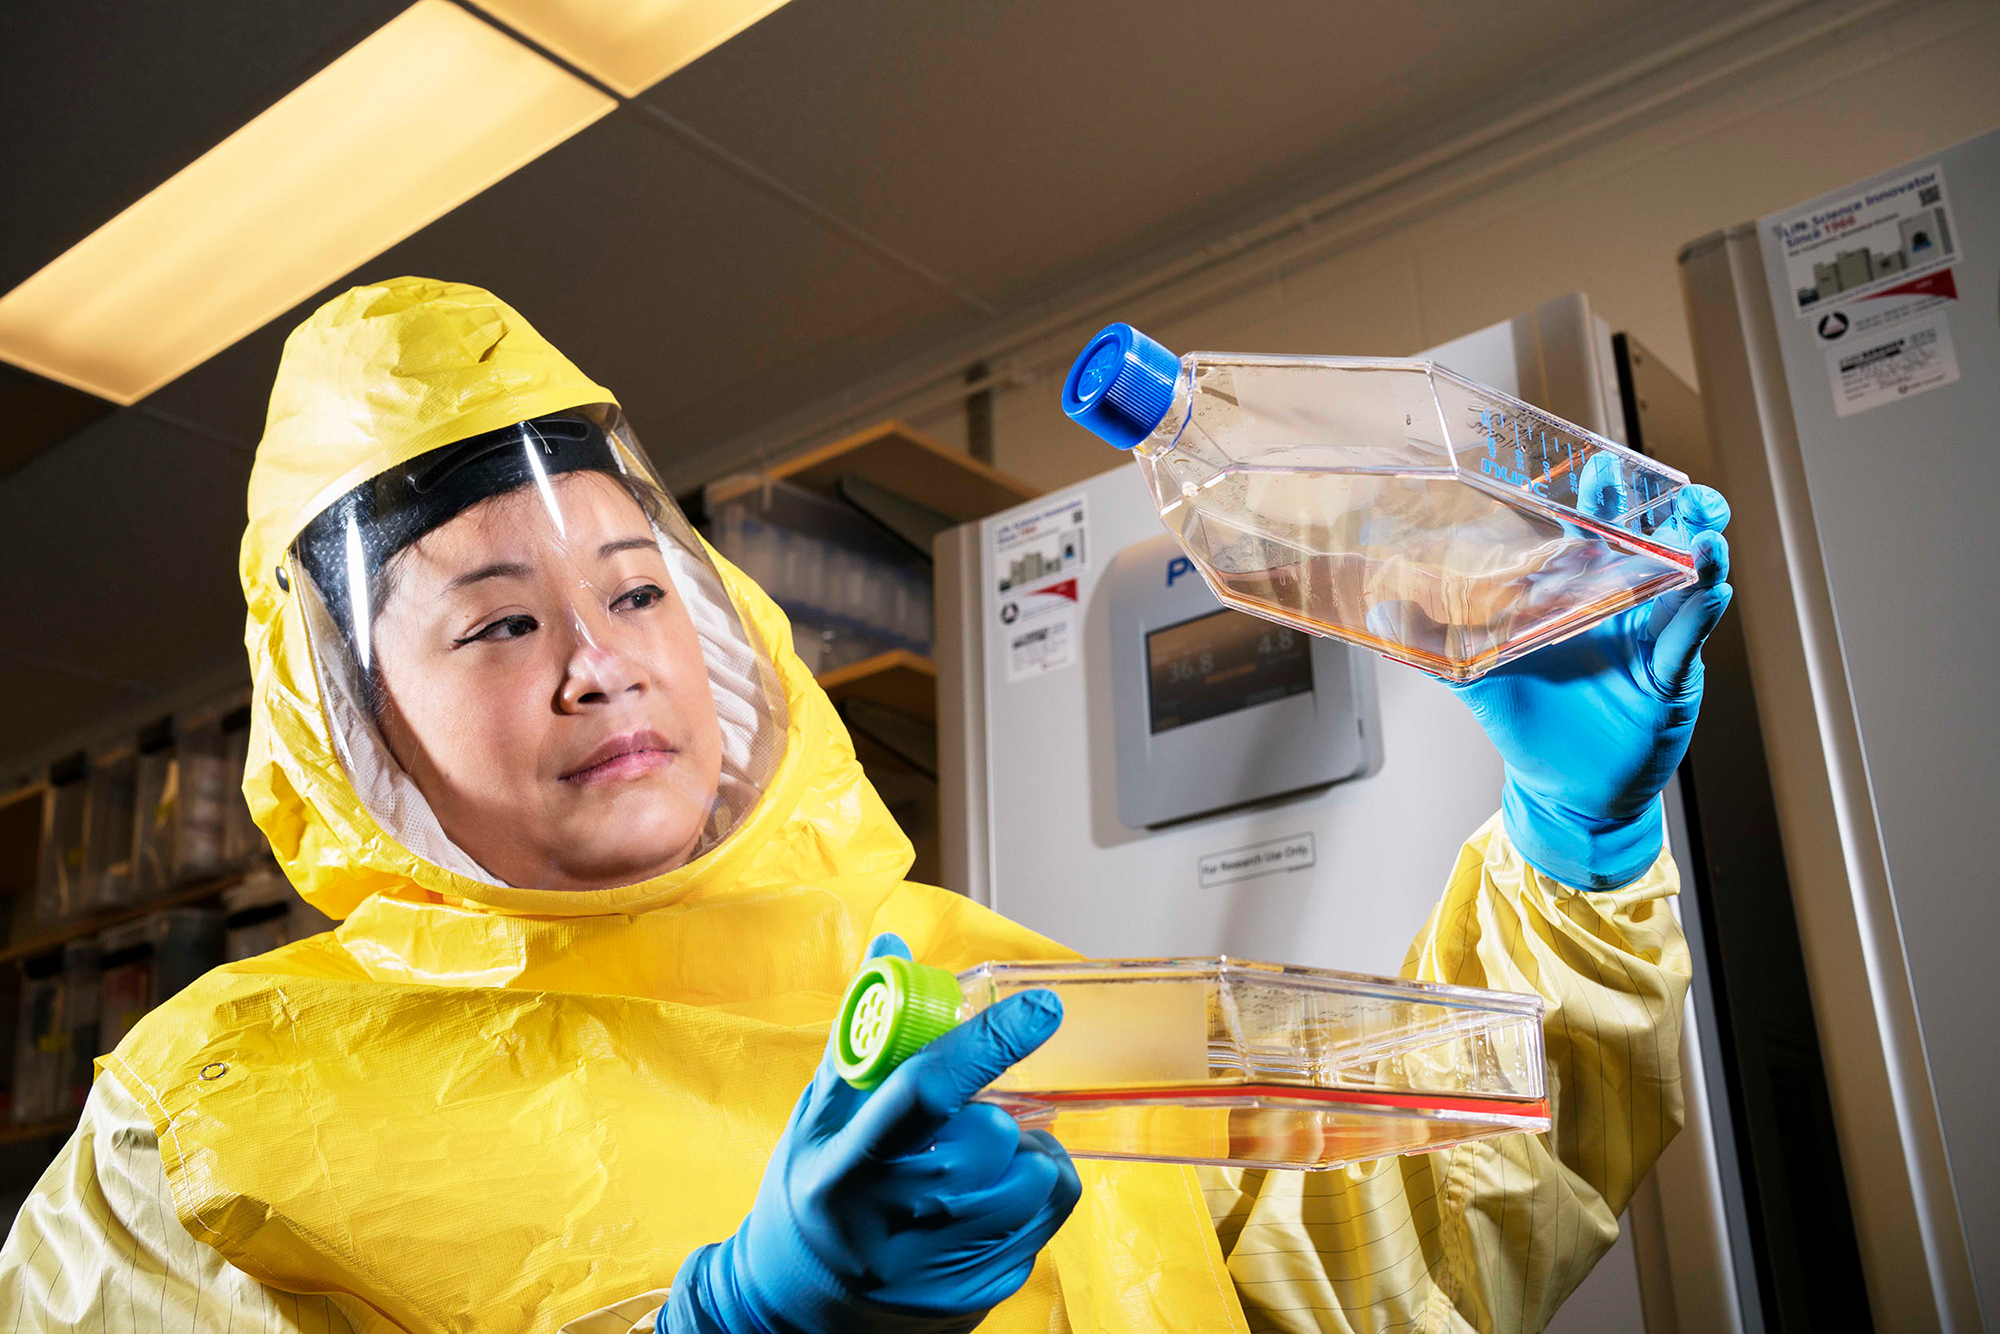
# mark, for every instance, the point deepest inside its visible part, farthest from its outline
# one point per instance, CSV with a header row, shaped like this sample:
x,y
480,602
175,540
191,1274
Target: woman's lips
x,y
621,759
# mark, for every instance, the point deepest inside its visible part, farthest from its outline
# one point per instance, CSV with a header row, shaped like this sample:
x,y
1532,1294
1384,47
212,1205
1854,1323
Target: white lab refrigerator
x,y
1032,707
1849,356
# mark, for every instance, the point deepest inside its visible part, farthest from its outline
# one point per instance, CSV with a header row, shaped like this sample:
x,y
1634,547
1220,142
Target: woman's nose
x,y
597,672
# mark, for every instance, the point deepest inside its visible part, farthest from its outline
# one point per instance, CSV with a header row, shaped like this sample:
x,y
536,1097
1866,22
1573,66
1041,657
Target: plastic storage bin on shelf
x,y
59,876
204,788
265,912
243,843
108,872
185,945
850,590
80,1017
147,961
56,1041
1223,1061
10,1040
211,831
1386,502
156,800
125,989
39,1040
187,942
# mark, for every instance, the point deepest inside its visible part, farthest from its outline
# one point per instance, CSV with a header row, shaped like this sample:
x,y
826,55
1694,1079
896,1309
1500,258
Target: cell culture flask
x,y
1387,502
1218,1060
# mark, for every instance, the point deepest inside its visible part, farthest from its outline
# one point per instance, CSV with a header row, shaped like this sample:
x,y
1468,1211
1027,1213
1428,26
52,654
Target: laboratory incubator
x,y
1848,345
1136,768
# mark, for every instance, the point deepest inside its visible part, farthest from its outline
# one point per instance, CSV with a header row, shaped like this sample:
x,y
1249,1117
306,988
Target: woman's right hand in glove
x,y
906,1208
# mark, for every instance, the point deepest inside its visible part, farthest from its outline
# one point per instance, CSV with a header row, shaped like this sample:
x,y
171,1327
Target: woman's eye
x,y
640,598
507,627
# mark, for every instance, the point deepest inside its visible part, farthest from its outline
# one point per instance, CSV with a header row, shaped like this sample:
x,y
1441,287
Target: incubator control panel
x,y
1214,708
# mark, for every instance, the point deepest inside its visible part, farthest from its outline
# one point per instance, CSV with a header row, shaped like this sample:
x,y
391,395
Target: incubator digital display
x,y
1222,662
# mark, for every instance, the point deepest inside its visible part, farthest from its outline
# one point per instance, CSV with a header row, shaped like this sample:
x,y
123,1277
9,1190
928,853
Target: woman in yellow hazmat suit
x,y
581,977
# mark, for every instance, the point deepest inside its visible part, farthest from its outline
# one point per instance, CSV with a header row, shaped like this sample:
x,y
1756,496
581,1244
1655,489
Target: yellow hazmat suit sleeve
x,y
1489,1236
97,1247
97,1243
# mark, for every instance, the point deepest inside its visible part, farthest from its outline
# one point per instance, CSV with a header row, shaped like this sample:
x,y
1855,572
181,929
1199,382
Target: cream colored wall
x,y
1607,220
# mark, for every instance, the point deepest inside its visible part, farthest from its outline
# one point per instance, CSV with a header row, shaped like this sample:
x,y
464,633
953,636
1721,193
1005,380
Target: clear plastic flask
x,y
1387,502
1218,1060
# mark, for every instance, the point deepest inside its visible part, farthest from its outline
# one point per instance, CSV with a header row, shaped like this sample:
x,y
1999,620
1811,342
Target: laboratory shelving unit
x,y
889,701
25,1148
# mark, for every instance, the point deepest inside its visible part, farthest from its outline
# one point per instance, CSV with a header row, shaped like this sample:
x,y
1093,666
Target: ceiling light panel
x,y
423,114
630,44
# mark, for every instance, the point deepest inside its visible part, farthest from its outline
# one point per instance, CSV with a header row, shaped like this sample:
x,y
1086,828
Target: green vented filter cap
x,y
893,1007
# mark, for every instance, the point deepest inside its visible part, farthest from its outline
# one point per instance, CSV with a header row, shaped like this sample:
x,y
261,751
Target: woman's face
x,y
544,687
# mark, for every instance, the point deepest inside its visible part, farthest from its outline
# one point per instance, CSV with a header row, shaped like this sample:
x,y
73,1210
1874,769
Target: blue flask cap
x,y
1122,385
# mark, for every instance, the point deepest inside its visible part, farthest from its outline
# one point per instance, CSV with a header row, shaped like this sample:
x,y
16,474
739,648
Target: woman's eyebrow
x,y
616,545
497,570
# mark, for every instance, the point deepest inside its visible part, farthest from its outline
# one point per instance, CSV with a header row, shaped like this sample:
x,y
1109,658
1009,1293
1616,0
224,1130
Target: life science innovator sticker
x,y
1872,274
1034,562
1868,243
1892,363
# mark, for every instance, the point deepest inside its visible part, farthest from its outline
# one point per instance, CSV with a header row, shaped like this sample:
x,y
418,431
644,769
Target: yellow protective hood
x,y
483,1107
372,379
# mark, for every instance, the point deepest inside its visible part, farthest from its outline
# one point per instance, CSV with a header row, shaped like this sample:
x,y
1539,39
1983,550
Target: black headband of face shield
x,y
390,511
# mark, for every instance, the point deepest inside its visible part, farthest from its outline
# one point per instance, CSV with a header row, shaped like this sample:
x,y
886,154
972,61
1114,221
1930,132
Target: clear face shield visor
x,y
531,670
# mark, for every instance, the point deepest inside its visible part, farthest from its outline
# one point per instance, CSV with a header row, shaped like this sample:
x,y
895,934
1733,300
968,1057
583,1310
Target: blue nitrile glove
x,y
1592,728
906,1209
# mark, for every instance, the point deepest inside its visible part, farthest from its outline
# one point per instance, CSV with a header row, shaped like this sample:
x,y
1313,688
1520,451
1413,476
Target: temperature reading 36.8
x,y
1222,662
